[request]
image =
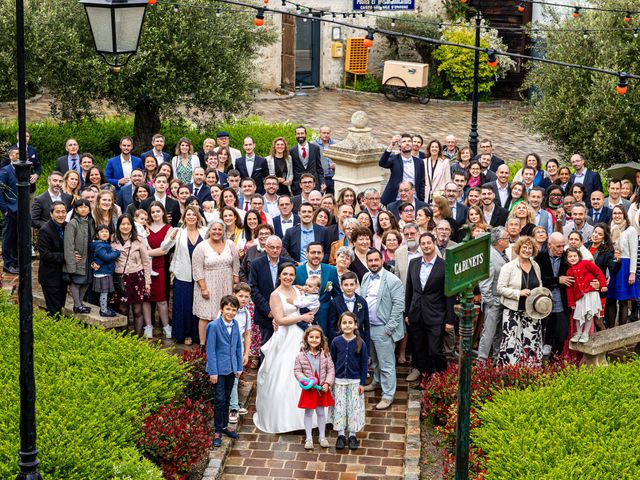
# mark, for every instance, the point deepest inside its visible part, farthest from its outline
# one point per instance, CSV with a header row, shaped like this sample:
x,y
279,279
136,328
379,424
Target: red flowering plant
x,y
197,385
440,403
177,436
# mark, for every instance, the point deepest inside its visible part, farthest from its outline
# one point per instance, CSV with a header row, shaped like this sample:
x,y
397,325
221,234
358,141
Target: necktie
x,y
74,164
315,272
246,206
195,192
304,152
596,217
504,256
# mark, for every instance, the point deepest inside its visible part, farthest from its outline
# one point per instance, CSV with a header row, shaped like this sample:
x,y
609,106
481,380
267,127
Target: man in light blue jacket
x,y
384,294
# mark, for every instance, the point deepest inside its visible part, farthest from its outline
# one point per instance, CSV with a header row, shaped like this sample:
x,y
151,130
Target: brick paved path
x,y
258,455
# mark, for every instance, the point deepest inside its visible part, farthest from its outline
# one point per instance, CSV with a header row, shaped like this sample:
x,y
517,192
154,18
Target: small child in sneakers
x,y
141,217
244,317
314,363
105,257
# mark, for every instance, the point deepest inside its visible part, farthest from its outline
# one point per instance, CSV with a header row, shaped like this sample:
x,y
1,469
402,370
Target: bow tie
x,y
304,230
283,222
349,300
315,272
375,276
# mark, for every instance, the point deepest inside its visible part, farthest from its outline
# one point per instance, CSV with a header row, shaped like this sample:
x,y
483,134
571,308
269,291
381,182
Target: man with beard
x,y
404,168
306,158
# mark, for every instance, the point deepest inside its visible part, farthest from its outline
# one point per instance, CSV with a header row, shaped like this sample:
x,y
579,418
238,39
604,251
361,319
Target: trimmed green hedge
x,y
582,424
101,137
94,387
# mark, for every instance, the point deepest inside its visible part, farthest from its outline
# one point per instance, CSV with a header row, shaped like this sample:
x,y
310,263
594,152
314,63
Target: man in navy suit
x,y
352,302
428,311
158,142
598,212
41,208
588,178
336,231
486,147
404,168
494,215
286,219
70,161
251,165
458,209
198,188
306,158
32,156
329,286
407,194
263,277
125,195
9,209
300,236
118,171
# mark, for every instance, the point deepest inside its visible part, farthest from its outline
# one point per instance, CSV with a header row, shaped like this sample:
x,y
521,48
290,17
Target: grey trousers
x,y
383,361
491,331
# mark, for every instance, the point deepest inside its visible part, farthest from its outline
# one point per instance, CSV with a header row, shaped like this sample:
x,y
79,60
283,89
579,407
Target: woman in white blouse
x,y
185,161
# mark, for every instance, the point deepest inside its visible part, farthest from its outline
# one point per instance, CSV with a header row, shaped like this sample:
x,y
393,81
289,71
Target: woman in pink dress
x,y
158,228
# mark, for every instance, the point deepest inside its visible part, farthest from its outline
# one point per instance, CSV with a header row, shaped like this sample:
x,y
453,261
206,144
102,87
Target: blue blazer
x,y
113,172
394,163
204,194
149,153
277,225
329,288
261,289
338,306
8,190
293,238
260,170
224,351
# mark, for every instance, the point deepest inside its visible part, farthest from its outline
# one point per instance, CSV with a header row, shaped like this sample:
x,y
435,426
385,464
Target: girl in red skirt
x,y
314,362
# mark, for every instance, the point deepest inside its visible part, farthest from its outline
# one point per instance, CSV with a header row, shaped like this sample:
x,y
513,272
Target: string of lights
x,y
623,77
577,9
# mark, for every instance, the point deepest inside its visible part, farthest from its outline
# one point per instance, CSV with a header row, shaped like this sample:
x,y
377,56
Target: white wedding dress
x,y
278,391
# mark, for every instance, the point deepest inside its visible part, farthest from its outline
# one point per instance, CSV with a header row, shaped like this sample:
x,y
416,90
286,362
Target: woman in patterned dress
x,y
521,335
185,161
216,269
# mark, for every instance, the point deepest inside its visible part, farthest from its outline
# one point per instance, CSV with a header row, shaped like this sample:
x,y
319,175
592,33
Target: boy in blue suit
x,y
224,363
349,301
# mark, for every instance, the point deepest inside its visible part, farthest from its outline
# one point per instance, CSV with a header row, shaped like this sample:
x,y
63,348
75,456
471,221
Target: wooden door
x,y
288,58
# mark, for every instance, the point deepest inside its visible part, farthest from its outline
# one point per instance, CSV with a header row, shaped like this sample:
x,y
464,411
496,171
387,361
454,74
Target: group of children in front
x,y
329,374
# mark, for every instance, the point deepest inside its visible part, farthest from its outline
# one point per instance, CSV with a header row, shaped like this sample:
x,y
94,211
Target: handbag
x,y
118,278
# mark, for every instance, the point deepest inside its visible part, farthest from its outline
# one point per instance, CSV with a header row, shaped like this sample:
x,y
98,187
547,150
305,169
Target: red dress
x,y
158,286
313,397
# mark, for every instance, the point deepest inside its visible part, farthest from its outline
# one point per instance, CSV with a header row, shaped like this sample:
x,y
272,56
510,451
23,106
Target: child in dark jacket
x,y
350,357
105,257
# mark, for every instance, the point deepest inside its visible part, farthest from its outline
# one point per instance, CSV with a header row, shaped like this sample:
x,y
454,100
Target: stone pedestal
x,y
356,157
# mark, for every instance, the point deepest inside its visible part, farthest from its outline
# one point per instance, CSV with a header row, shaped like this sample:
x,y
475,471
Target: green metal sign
x,y
466,264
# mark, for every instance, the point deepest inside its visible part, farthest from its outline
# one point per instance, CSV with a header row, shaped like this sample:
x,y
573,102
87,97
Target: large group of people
x,y
261,262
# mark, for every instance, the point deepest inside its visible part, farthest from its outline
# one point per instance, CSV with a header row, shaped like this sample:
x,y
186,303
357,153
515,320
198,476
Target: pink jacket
x,y
302,368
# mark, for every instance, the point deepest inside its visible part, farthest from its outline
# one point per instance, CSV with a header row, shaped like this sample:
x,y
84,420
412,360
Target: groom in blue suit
x,y
330,284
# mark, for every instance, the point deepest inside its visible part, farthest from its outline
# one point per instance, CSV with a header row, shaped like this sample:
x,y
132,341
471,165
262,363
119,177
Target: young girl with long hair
x,y
315,363
351,358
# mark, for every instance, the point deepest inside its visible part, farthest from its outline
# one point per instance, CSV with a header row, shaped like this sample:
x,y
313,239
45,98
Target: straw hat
x,y
539,303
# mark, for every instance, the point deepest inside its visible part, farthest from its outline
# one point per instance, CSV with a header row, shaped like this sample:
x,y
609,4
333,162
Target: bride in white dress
x,y
277,389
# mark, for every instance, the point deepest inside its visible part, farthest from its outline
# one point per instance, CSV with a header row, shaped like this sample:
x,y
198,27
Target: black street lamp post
x,y
28,453
473,132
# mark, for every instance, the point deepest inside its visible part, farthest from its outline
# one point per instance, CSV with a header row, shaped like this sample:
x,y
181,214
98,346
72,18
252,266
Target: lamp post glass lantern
x,y
115,27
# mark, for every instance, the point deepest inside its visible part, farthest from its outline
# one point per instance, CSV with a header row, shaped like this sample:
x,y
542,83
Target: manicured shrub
x,y
177,436
101,137
581,424
94,387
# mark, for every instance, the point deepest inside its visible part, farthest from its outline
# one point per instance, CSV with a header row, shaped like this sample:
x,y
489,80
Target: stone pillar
x,y
356,157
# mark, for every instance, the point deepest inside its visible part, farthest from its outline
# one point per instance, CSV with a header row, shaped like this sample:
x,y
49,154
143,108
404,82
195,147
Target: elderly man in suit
x,y
306,158
384,294
407,194
51,250
119,168
429,311
329,286
458,209
9,209
404,168
492,327
70,161
41,208
263,284
298,238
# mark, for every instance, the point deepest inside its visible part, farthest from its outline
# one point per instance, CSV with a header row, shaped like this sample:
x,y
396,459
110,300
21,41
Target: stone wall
x,y
331,69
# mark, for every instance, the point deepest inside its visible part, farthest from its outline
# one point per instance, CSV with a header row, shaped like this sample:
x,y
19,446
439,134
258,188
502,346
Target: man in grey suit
x,y
384,293
492,328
